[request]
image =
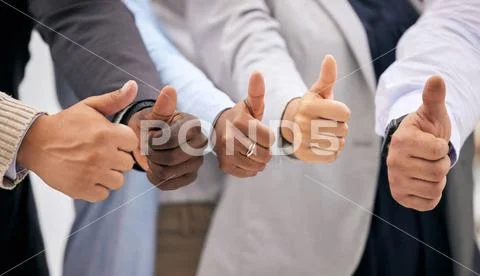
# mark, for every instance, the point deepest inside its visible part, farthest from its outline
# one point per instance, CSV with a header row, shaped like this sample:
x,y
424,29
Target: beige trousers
x,y
181,233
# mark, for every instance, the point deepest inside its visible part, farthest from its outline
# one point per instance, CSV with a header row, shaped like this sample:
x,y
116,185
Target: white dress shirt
x,y
446,42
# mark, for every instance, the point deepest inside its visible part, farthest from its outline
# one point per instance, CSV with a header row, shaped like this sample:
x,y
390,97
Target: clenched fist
x,y
418,161
78,151
175,146
319,122
242,141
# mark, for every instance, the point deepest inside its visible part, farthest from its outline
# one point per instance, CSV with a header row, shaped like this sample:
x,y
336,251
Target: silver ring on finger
x,y
251,150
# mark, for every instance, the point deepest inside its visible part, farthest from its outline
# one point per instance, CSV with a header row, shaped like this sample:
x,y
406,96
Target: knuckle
x,y
442,148
398,140
348,114
118,183
161,173
428,206
101,135
131,164
438,172
446,164
261,167
268,157
153,178
195,130
391,160
437,190
103,196
436,152
240,121
344,113
303,123
168,157
99,196
94,156
303,108
272,139
342,130
396,194
405,202
158,171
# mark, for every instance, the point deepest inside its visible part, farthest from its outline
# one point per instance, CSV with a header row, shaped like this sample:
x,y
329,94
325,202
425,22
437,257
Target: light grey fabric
x,y
282,222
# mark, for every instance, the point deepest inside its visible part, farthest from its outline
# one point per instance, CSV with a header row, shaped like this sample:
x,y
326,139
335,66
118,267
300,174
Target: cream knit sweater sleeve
x,y
15,120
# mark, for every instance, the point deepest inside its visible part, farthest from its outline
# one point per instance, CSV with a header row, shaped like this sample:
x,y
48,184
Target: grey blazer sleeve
x,y
96,46
233,38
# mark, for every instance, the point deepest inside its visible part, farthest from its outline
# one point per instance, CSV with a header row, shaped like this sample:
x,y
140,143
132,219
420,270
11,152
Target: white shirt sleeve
x,y
446,42
12,169
197,95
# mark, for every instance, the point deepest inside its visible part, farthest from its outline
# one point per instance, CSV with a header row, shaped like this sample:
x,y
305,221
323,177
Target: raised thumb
x,y
166,104
328,75
256,93
113,102
434,95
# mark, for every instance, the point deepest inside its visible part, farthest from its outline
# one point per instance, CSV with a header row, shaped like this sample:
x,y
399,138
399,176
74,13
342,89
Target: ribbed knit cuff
x,y
15,120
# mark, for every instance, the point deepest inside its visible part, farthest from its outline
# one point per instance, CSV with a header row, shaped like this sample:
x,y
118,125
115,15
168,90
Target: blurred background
x,y
56,210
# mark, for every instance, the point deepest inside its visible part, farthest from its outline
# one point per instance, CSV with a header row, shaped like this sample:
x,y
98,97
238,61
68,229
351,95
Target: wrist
x,y
287,119
132,113
219,128
30,148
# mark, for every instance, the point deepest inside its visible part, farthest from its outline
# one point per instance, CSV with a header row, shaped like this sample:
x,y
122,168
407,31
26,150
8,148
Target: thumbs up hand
x,y
175,143
418,161
242,141
78,151
316,125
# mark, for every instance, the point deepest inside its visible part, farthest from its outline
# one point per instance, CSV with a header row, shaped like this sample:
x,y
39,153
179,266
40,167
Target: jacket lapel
x,y
352,28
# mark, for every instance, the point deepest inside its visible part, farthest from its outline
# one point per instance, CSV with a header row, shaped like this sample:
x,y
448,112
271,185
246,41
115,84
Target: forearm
x,y
16,119
96,45
444,42
235,38
197,94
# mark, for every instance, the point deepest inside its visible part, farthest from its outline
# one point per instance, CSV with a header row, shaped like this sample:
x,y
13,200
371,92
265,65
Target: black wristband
x,y
139,106
391,128
136,108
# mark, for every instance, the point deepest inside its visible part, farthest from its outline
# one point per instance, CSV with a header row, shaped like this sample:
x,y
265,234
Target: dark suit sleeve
x,y
96,46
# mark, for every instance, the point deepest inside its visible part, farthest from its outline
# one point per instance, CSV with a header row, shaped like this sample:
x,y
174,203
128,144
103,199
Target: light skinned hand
x,y
319,122
78,151
418,161
240,127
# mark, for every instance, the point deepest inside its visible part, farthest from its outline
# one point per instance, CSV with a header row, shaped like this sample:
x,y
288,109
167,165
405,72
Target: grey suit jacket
x,y
298,219
95,46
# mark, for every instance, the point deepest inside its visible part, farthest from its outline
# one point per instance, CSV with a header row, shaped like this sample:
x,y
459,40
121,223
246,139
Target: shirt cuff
x,y
410,103
123,116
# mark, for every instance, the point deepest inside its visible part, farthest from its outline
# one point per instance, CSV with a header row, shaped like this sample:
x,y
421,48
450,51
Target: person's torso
x,y
294,218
